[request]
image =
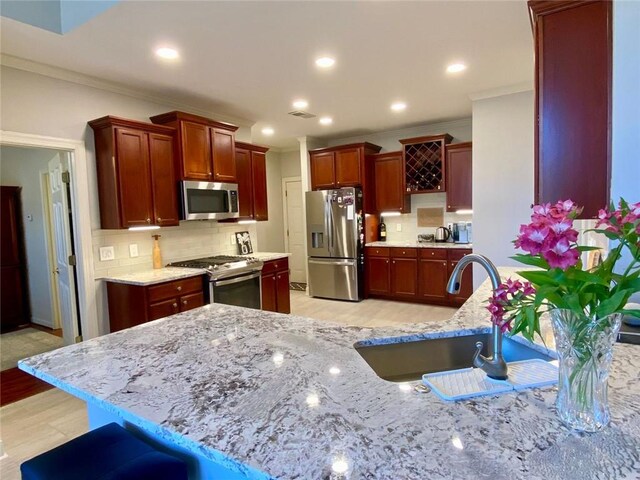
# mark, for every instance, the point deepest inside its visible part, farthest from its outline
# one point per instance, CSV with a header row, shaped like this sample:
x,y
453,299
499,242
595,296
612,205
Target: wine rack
x,y
424,159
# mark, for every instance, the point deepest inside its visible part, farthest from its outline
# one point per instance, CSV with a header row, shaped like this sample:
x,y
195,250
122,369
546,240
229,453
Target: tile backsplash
x,y
189,240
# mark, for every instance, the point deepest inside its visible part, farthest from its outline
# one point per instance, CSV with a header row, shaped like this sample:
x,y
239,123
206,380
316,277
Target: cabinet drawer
x,y
275,266
458,253
404,252
163,309
174,288
377,251
193,300
434,253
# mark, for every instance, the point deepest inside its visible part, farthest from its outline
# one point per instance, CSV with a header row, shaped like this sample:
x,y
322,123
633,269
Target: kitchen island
x,y
263,395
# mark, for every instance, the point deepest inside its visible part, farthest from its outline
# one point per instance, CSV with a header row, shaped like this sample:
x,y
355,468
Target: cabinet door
x,y
378,275
573,46
224,155
458,177
466,286
196,151
134,177
269,293
348,168
389,183
282,292
193,300
162,309
259,174
404,277
433,278
245,182
322,170
163,181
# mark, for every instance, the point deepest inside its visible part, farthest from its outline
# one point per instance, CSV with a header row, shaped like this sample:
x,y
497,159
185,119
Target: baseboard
x,y
42,322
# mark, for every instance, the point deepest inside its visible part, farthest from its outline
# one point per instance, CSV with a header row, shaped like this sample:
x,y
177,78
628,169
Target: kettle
x,y
442,234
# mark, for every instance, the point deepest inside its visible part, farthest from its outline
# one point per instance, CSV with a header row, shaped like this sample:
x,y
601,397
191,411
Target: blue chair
x,y
107,453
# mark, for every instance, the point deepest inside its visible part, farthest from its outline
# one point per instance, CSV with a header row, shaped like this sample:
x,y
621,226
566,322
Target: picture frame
x,y
243,240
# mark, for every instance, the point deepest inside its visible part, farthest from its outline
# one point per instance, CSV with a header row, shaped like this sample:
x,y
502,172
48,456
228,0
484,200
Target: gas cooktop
x,y
220,266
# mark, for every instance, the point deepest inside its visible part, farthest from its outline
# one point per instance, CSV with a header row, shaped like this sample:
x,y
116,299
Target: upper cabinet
x,y
252,181
458,176
136,180
342,166
425,166
573,49
205,148
389,180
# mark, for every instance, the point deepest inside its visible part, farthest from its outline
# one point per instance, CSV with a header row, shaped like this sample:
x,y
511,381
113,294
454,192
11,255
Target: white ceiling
x,y
252,59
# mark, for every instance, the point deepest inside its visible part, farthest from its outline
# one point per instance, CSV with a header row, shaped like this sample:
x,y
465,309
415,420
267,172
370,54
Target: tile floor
x,y
46,420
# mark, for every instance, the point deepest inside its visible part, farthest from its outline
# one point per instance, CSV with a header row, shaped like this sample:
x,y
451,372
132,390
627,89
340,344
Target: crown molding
x,y
113,87
500,91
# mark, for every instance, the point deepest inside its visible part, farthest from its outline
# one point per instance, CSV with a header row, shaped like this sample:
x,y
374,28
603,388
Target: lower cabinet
x,y
415,274
131,305
275,286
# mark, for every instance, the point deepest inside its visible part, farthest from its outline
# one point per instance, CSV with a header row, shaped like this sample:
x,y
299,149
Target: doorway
x,y
294,235
38,261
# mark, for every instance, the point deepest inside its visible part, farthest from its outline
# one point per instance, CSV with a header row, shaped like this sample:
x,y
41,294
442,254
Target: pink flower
x,y
532,238
560,254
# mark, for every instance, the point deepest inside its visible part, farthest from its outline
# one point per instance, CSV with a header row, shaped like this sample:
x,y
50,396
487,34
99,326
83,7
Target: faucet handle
x,y
477,355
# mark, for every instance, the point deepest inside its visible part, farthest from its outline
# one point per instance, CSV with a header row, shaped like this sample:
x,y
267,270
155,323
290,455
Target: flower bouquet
x,y
585,305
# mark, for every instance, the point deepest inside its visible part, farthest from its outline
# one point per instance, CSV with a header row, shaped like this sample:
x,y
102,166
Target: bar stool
x,y
106,453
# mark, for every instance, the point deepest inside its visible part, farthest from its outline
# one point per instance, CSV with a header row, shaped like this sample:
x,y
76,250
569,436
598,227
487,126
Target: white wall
x,y
21,167
270,234
290,163
502,174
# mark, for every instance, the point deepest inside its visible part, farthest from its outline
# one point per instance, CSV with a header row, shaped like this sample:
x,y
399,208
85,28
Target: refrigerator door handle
x,y
339,263
328,215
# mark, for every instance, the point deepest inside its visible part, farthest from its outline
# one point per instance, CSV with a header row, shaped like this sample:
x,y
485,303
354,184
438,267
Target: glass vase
x,y
585,351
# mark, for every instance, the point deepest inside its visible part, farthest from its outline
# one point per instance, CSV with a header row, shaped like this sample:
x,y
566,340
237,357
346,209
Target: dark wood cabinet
x,y
459,176
573,51
389,180
245,182
275,286
259,182
342,166
136,180
251,167
425,165
205,148
131,305
415,274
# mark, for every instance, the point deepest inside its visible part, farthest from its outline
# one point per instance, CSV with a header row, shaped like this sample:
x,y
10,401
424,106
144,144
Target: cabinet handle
x,y
387,261
159,219
148,220
184,302
393,261
175,305
179,288
209,172
433,253
444,263
403,252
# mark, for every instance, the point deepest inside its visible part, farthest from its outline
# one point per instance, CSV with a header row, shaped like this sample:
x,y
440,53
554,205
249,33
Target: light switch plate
x,y
398,227
107,253
133,250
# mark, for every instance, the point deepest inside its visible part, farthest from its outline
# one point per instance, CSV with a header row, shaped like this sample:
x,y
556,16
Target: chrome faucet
x,y
494,367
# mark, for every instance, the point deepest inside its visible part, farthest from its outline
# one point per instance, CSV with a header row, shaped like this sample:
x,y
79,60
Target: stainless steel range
x,y
233,280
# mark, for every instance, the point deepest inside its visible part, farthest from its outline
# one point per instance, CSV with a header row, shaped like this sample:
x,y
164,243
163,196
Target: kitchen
x,y
495,129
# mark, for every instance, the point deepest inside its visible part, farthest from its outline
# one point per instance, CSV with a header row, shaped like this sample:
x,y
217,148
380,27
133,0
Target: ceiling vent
x,y
301,114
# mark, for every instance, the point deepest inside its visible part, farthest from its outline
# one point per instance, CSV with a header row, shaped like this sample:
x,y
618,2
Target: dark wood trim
x,y
18,385
365,145
456,146
252,147
545,7
429,138
111,121
177,115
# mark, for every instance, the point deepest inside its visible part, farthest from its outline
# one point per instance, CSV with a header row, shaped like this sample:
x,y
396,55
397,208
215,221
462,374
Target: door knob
x,y
57,270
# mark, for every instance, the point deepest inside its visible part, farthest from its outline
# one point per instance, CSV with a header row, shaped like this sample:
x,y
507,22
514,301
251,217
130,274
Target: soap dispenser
x,y
157,257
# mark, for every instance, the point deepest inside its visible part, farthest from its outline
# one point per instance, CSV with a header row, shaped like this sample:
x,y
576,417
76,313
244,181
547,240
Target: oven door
x,y
209,200
242,291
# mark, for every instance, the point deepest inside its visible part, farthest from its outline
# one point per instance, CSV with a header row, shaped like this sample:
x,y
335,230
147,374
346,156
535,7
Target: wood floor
x,y
39,423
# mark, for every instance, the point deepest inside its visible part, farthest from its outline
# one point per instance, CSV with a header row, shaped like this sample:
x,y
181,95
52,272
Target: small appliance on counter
x,y
426,238
442,234
461,233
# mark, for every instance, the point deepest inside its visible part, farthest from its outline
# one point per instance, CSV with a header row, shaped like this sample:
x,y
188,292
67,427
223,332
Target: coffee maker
x,y
461,232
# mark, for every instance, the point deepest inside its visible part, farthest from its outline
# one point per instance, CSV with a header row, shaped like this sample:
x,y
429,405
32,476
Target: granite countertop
x,y
153,276
398,244
281,396
267,256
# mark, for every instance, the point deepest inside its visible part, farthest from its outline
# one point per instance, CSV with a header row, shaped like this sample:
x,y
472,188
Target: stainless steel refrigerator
x,y
334,243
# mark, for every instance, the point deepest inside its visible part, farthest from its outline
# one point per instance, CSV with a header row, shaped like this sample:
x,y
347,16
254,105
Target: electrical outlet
x,y
133,250
232,238
398,227
107,253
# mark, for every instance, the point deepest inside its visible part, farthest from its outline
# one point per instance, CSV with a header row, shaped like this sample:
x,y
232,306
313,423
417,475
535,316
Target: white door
x,y
295,232
63,249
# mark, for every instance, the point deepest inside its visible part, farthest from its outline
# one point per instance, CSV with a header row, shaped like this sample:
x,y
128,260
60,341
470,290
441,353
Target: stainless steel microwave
x,y
208,200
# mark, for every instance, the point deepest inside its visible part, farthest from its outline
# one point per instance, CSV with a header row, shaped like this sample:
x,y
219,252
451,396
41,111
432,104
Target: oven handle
x,y
221,283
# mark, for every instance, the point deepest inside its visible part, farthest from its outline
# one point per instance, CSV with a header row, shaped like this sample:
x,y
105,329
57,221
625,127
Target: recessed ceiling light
x,y
267,131
167,53
325,62
300,104
326,120
456,68
398,106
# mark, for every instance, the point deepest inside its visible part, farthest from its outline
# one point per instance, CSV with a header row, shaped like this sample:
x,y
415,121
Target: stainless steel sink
x,y
407,361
